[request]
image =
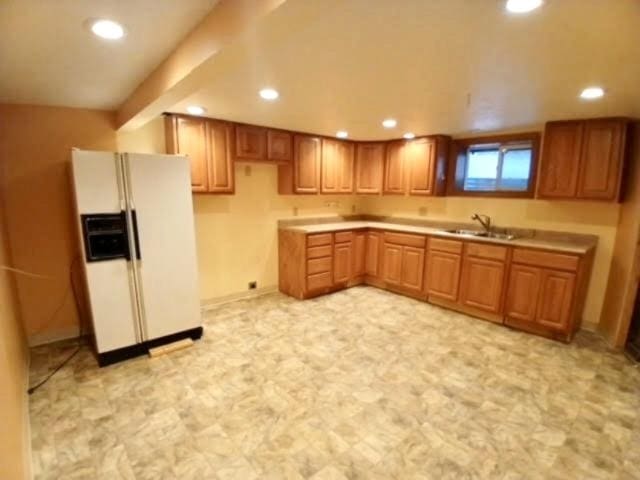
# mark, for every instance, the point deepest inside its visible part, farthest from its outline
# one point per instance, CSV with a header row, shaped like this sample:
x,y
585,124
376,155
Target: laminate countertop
x,y
556,241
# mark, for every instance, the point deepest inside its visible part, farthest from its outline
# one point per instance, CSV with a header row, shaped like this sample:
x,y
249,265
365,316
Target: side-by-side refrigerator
x,y
135,219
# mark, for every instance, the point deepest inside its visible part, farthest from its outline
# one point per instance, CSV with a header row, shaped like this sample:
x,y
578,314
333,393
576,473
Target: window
x,y
497,166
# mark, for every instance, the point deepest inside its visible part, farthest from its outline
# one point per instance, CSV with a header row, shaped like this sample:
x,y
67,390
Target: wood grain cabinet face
x,y
337,166
412,268
369,167
188,136
523,292
392,264
556,296
279,146
443,274
482,282
251,142
394,169
560,159
220,165
359,254
342,260
306,159
421,162
602,158
372,256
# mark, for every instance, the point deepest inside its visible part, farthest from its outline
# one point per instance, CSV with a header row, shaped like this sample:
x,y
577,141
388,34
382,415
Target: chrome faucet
x,y
485,221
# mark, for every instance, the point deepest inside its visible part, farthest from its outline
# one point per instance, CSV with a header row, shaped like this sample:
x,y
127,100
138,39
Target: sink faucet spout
x,y
485,221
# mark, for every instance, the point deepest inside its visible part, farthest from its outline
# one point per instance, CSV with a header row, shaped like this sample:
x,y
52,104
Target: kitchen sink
x,y
480,233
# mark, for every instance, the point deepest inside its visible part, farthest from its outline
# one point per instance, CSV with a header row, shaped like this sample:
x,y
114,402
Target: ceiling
x,y
49,57
438,66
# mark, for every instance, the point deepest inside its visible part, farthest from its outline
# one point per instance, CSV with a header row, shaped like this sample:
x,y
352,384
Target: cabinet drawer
x,y
318,239
319,280
557,261
405,239
318,265
341,237
317,252
451,246
492,252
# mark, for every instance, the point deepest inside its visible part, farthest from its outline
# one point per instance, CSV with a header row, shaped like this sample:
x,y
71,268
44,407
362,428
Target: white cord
x,y
25,273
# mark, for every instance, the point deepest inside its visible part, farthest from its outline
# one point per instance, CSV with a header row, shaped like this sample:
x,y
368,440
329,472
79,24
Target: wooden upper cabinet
x,y
220,165
337,166
583,159
372,255
443,274
602,158
425,160
188,136
251,142
394,169
481,284
279,148
560,159
369,167
306,164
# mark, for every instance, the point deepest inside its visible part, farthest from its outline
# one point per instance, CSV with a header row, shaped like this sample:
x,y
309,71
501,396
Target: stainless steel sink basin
x,y
480,233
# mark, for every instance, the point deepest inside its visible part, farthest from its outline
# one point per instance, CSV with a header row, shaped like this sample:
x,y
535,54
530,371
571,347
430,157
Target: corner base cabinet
x,y
538,291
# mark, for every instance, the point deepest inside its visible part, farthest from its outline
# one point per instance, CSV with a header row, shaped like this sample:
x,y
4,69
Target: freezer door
x,y
97,182
160,195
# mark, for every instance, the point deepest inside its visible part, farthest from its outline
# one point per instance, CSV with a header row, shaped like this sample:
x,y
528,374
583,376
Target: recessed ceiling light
x,y
389,122
107,29
591,93
342,134
196,110
409,135
269,93
522,6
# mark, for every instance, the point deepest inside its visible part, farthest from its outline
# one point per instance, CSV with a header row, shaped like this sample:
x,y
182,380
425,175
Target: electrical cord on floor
x,y
72,288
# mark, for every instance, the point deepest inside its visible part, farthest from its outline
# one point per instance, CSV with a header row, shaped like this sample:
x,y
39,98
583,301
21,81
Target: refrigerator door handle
x,y
136,239
127,250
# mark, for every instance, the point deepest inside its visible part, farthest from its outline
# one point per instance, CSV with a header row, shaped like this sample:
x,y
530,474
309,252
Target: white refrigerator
x,y
135,219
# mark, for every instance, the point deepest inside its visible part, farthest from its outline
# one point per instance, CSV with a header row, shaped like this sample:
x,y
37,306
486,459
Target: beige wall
x,y
14,441
236,235
35,149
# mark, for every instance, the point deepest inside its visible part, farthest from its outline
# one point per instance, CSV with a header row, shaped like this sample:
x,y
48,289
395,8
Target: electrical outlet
x,y
295,211
353,209
422,211
253,285
247,171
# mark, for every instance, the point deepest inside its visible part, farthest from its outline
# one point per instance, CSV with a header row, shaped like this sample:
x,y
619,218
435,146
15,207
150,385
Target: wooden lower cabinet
x,y
538,291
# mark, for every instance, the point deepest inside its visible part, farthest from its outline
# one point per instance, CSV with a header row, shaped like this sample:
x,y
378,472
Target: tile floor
x,y
361,384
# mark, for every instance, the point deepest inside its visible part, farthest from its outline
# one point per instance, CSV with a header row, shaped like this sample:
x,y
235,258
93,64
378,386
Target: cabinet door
x,y
482,283
251,142
190,139
369,167
421,162
346,152
556,295
601,161
221,174
306,159
394,168
342,263
523,292
278,146
372,258
330,166
560,159
412,268
392,264
359,252
443,275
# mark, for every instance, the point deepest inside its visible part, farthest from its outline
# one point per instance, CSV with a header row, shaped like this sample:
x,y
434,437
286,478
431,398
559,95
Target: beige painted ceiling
x,y
438,66
48,56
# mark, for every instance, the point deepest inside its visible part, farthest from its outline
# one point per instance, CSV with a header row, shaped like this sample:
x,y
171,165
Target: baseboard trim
x,y
52,336
216,301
